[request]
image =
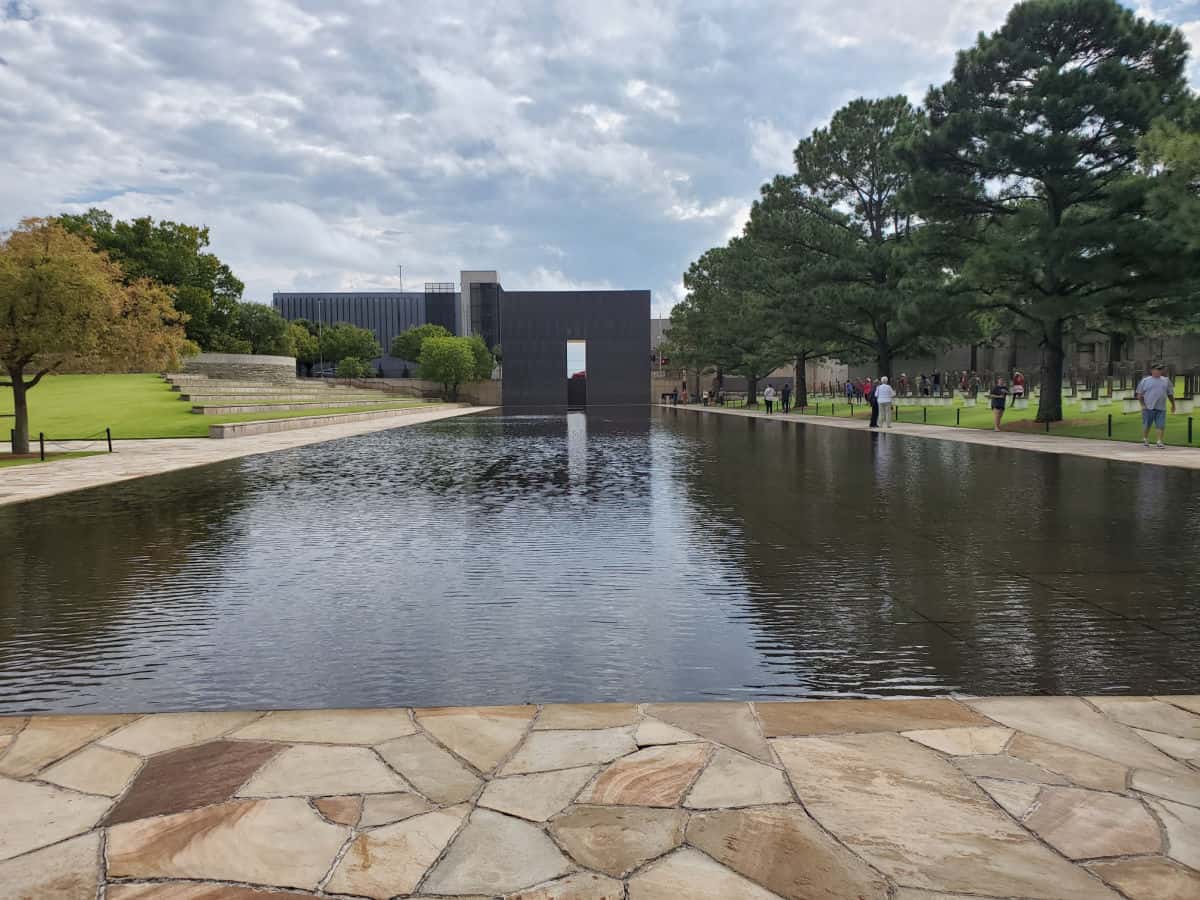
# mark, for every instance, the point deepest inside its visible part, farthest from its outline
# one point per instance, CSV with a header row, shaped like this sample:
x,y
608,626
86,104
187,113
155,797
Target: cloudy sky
x,y
327,143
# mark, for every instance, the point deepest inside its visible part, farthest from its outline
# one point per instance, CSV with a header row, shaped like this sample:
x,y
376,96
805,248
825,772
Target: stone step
x,y
211,397
315,384
214,387
245,429
234,409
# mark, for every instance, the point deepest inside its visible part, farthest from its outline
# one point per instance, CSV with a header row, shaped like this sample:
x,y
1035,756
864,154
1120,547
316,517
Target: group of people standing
x,y
783,395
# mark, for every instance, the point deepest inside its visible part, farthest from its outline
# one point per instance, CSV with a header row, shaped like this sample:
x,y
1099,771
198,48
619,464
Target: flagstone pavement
x,y
1042,797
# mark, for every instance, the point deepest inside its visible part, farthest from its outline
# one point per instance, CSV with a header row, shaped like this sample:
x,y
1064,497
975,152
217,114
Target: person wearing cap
x,y
1153,392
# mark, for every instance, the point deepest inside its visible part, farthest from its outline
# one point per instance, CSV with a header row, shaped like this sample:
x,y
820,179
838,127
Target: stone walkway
x,y
137,459
1048,797
1120,451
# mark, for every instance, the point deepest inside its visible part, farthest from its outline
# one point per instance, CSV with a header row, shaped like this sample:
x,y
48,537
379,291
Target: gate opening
x,y
576,374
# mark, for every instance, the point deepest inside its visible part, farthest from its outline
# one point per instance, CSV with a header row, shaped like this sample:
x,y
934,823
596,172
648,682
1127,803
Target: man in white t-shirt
x,y
885,394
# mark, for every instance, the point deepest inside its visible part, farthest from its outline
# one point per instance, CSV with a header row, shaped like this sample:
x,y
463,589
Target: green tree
x,y
61,302
802,322
1031,160
342,340
202,287
725,322
351,367
407,344
485,362
307,346
263,329
847,234
449,361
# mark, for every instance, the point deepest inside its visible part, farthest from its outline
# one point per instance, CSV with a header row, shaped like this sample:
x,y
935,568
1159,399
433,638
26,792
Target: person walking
x,y
785,399
884,395
769,398
849,392
685,397
999,394
1018,387
1153,392
869,396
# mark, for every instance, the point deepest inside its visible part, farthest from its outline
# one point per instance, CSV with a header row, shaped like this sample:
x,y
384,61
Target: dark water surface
x,y
504,559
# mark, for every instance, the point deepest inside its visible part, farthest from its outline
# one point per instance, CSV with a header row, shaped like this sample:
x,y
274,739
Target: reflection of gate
x,y
576,393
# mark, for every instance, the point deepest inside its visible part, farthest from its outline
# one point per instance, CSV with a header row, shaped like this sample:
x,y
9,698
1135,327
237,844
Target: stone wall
x,y
477,393
242,366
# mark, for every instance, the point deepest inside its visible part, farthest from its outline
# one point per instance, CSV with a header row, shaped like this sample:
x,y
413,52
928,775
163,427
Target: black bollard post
x,y
1110,424
1189,429
958,416
42,444
925,414
1047,426
108,434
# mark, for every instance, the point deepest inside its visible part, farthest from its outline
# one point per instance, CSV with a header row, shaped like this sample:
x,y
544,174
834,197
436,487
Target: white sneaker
x,y
1145,442
1161,446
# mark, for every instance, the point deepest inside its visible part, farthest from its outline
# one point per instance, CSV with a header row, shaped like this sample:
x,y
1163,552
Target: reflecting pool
x,y
502,559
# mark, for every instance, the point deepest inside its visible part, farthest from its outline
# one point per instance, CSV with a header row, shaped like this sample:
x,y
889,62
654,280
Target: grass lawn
x,y
1126,426
133,406
7,461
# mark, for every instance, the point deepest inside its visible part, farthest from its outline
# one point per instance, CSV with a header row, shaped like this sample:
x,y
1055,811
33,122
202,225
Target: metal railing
x,y
92,440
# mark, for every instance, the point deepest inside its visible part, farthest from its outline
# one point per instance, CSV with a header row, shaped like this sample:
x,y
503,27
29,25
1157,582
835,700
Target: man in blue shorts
x,y
1153,392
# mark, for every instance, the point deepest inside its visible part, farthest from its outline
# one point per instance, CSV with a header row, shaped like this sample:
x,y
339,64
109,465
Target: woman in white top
x,y
769,398
885,394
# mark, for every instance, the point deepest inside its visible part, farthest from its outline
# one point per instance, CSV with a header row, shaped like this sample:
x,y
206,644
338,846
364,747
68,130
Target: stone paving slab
x,y
1119,451
1015,797
140,458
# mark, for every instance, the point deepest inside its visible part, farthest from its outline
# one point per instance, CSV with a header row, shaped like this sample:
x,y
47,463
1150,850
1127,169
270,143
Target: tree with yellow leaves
x,y
62,303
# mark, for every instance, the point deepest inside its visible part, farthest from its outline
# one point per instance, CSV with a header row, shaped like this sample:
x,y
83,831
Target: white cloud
x,y
658,100
771,147
684,212
545,279
736,222
603,119
327,142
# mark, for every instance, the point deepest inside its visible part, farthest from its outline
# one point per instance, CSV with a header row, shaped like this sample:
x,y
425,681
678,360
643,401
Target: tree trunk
x,y
1050,401
884,362
21,408
974,367
1116,347
1012,352
801,381
751,390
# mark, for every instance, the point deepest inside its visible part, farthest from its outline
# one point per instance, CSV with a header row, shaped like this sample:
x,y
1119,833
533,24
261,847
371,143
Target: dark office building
x,y
387,313
601,335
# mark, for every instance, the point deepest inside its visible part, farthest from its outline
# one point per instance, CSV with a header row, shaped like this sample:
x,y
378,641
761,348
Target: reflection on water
x,y
500,559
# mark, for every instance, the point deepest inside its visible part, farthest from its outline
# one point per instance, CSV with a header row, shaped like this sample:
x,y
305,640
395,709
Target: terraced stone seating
x,y
216,396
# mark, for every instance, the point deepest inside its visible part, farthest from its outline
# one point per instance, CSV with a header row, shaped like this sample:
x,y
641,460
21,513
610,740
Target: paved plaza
x,y
1118,451
1047,797
140,458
